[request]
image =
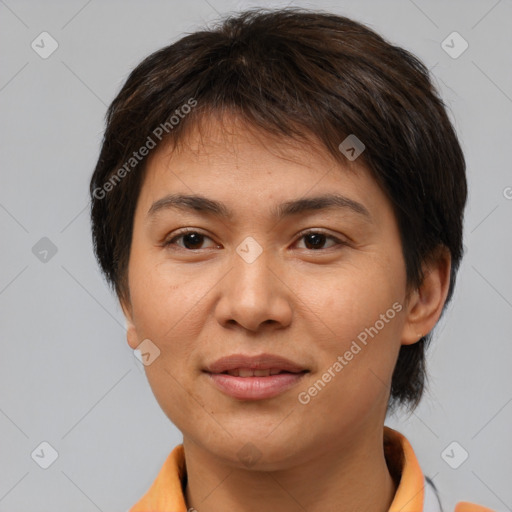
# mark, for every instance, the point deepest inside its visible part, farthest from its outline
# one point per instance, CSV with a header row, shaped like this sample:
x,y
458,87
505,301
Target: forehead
x,y
216,146
217,138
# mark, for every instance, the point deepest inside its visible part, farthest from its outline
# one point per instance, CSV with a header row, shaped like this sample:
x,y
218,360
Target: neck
x,y
347,477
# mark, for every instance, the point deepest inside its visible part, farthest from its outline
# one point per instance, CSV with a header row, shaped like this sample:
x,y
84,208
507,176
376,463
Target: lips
x,y
254,378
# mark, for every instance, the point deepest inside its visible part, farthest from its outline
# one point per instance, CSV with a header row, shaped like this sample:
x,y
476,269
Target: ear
x,y
425,303
131,331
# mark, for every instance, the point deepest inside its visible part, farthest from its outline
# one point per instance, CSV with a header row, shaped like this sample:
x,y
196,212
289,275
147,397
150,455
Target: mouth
x,y
262,362
254,378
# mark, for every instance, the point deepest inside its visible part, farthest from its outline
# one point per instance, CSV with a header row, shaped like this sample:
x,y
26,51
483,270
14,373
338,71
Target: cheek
x,y
164,296
355,299
166,304
169,302
362,311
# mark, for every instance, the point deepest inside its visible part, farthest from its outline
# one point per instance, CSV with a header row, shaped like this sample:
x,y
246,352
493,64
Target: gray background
x,y
67,375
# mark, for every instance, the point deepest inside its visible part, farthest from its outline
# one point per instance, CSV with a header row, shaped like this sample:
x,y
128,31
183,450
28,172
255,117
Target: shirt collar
x,y
166,492
401,459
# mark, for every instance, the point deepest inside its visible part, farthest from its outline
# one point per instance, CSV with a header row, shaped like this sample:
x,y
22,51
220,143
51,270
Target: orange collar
x,y
401,459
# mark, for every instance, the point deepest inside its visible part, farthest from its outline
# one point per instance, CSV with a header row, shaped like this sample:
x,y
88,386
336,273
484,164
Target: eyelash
x,y
169,243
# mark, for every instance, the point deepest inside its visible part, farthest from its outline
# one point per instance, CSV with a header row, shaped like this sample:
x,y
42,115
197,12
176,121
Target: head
x,y
266,108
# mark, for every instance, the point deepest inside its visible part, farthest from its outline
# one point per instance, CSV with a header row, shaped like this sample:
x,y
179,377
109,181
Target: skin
x,y
197,300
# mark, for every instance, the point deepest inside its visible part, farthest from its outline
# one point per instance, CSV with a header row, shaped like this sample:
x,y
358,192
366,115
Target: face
x,y
323,287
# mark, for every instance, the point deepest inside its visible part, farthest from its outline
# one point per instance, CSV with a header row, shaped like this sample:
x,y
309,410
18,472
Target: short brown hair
x,y
302,74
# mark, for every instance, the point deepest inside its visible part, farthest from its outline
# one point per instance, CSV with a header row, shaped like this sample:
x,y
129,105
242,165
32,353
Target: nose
x,y
255,294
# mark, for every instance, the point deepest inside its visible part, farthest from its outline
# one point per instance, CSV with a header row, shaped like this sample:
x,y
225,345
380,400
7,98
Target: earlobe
x,y
426,302
131,335
131,331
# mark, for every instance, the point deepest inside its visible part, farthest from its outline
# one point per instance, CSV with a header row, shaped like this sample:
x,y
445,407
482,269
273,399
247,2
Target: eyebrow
x,y
199,203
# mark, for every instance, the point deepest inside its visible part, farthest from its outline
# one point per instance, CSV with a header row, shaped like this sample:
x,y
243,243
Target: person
x,y
278,205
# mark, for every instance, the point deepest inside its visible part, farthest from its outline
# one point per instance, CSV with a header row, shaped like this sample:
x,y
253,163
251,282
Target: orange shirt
x,y
166,492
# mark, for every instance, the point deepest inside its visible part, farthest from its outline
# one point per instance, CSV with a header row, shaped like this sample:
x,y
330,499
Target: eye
x,y
192,239
316,239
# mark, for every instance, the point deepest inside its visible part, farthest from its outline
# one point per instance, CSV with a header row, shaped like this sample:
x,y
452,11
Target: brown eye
x,y
314,240
191,240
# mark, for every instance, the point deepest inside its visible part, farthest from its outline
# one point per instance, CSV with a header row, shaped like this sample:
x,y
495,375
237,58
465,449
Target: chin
x,y
257,451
